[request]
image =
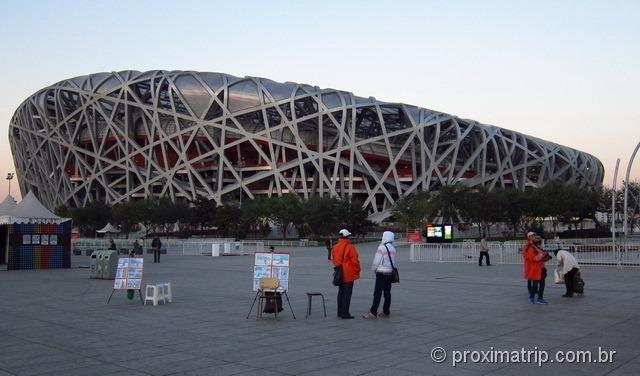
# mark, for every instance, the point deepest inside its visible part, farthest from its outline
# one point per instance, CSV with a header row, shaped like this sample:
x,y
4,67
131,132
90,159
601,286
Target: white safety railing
x,y
509,253
190,247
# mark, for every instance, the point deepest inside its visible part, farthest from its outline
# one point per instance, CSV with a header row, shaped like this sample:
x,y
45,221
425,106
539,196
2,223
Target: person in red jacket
x,y
345,254
534,259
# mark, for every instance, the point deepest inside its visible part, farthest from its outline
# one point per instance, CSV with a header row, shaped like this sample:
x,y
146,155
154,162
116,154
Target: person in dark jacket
x,y
329,244
156,244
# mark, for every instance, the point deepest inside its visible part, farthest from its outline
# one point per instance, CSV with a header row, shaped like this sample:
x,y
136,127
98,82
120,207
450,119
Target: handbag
x,y
337,270
395,275
557,276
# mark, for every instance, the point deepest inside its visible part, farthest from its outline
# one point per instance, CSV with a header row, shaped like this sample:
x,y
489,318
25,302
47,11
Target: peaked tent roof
x,y
108,228
8,205
30,210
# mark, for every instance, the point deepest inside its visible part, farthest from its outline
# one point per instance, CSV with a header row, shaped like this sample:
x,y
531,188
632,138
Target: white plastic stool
x,y
165,291
153,296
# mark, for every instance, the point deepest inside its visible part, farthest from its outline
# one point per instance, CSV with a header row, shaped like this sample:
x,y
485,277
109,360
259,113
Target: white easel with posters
x,y
128,276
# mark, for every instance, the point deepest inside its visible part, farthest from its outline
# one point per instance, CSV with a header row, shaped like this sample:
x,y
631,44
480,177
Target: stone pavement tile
x,y
359,353
130,352
170,367
392,358
306,365
270,361
395,372
428,367
346,369
55,365
261,372
93,370
222,369
27,358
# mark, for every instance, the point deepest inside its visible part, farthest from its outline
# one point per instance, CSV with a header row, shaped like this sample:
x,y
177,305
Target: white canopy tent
x,y
29,210
8,206
109,228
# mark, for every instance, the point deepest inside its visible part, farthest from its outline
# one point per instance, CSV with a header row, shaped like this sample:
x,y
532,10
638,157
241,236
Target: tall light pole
x,y
240,168
10,176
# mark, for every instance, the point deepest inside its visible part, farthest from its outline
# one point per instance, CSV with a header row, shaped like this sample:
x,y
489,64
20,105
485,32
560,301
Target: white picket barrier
x,y
510,253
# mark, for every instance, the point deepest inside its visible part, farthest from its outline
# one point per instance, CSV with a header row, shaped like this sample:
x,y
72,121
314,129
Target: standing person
x,y
329,244
156,244
568,266
345,254
533,270
484,251
136,248
112,245
530,236
383,263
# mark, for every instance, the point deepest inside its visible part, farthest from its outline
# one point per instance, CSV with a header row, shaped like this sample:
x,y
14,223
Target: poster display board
x,y
129,274
271,265
439,233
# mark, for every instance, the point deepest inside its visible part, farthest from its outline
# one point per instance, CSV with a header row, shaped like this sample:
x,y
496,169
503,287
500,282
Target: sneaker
x,y
532,301
369,316
542,301
567,296
384,314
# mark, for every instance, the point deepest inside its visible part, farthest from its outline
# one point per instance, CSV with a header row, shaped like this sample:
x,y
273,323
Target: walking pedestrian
x,y
484,251
383,264
345,255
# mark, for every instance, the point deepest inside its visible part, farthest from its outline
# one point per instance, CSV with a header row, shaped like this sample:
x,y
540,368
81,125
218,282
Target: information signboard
x,y
271,265
129,274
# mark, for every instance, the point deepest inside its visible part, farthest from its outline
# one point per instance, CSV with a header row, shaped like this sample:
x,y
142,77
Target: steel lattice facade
x,y
127,135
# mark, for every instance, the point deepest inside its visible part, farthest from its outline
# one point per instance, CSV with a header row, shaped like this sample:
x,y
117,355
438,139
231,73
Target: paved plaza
x,y
57,322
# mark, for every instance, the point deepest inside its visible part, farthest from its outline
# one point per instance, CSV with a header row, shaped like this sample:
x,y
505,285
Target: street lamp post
x,y
240,167
10,176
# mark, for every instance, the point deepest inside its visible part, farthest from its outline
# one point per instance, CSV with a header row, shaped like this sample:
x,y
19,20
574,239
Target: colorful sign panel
x,y
129,274
271,265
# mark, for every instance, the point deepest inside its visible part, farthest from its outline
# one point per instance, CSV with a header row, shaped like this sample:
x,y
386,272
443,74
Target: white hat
x,y
531,233
344,233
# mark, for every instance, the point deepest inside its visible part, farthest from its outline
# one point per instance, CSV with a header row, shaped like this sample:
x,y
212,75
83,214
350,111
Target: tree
x,y
411,210
286,210
445,203
227,219
354,217
203,212
512,206
256,217
320,215
91,217
125,215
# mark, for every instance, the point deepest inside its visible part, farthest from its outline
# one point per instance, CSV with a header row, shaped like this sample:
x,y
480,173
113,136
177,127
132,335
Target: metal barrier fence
x,y
510,253
189,247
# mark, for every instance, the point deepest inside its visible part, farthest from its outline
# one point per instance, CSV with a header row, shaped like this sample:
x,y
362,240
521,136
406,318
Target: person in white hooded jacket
x,y
382,265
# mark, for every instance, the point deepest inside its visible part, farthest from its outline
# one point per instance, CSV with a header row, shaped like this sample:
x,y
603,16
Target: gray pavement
x,y
57,322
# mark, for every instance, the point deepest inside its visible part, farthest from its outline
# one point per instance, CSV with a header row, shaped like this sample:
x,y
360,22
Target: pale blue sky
x,y
564,71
